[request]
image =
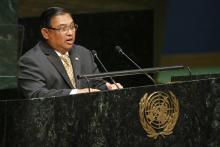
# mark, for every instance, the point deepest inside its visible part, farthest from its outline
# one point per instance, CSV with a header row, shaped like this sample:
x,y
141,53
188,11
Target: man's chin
x,y
68,46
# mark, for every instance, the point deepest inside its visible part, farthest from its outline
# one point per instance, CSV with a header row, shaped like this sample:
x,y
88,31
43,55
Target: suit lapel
x,y
55,60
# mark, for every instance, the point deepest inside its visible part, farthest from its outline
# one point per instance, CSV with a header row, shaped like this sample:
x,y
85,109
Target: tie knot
x,y
65,58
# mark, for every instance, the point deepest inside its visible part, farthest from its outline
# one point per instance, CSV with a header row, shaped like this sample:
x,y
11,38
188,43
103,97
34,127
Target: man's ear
x,y
45,33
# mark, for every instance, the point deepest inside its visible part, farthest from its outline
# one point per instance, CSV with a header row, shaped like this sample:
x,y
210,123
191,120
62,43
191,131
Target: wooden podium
x,y
111,118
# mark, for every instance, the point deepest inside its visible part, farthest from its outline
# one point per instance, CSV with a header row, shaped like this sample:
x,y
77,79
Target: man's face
x,y
61,34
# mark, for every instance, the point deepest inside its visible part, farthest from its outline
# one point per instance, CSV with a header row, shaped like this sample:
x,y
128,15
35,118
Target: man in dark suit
x,y
50,67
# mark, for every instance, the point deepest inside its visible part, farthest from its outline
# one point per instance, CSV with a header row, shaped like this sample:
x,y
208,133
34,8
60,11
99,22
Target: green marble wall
x,y
8,10
9,39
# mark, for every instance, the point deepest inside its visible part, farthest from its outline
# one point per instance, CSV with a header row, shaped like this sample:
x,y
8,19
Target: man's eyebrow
x,y
61,25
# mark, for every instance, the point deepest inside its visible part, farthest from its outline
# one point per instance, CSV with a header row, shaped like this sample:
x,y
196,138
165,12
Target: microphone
x,y
94,53
120,51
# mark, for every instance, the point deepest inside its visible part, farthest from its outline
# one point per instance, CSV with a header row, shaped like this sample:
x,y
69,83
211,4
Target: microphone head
x,y
94,53
118,49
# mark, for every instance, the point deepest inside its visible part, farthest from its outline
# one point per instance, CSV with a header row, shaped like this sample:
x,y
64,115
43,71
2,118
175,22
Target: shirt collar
x,y
59,54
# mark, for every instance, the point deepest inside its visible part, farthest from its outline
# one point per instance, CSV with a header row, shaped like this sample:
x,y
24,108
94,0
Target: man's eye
x,y
63,28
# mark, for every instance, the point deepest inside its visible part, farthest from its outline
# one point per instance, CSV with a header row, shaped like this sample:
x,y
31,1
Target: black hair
x,y
50,12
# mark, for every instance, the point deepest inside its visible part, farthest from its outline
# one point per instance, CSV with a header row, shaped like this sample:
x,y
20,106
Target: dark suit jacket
x,y
41,72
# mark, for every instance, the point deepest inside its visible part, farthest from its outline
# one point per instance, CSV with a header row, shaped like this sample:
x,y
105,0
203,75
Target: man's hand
x,y
113,86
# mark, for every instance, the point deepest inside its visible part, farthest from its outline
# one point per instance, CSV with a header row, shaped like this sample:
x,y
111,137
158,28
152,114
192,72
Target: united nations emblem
x,y
158,113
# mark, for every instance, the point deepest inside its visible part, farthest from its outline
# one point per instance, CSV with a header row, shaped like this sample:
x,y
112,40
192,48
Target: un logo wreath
x,y
158,113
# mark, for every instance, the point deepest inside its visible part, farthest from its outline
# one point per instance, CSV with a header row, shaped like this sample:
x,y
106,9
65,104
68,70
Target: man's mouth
x,y
69,41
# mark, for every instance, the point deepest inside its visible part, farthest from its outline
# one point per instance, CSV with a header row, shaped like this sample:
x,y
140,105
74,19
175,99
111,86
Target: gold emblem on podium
x,y
158,113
